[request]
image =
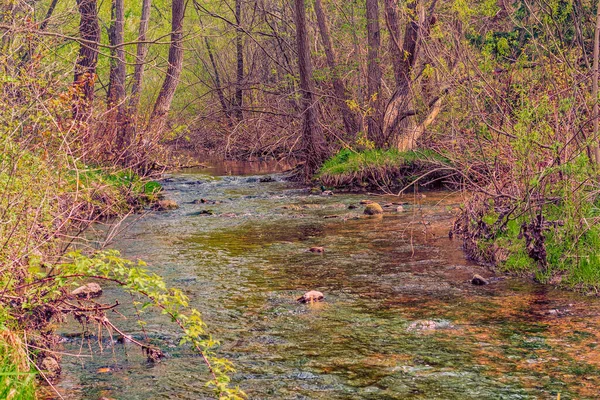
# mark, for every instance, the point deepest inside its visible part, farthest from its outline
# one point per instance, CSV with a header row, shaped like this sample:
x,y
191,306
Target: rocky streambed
x,y
400,319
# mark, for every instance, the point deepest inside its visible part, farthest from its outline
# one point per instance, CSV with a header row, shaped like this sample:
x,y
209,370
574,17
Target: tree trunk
x,y
85,67
373,72
339,88
314,149
239,46
140,59
218,86
395,124
393,23
595,85
399,128
116,92
167,91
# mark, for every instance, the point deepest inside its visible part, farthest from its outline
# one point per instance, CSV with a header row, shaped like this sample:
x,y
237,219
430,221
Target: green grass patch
x,y
17,380
375,166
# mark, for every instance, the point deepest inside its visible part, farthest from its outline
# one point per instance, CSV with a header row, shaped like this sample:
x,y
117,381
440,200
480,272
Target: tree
x,y
350,123
373,72
85,66
239,48
116,87
140,59
167,92
313,142
399,130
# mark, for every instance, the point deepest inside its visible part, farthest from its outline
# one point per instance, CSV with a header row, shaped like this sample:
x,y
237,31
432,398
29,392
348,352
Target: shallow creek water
x,y
244,266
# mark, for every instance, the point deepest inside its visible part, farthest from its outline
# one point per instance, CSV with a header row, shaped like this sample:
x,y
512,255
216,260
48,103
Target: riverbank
x,y
47,203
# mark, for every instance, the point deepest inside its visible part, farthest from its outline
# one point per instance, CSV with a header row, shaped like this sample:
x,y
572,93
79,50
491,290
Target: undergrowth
x,y
17,380
551,234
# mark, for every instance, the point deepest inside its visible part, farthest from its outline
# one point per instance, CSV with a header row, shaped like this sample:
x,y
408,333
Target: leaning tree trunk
x,y
239,46
373,72
167,92
314,149
116,92
399,127
396,124
85,67
339,88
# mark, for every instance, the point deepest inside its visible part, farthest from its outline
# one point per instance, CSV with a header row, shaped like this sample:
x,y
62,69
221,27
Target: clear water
x,y
245,265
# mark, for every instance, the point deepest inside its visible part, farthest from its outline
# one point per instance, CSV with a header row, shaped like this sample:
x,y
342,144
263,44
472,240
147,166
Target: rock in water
x,y
373,209
88,291
164,205
50,367
327,193
366,202
317,249
428,325
311,297
479,280
399,209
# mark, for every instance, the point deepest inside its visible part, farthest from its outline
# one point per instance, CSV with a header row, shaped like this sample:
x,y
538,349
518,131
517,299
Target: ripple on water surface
x,y
400,319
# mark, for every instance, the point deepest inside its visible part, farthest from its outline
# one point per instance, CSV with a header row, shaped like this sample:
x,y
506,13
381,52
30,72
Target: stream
x,y
400,319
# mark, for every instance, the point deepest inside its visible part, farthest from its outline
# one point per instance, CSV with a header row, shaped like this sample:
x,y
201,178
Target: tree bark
x,y
373,72
85,67
394,126
239,46
399,130
167,92
314,148
339,88
393,23
116,86
140,59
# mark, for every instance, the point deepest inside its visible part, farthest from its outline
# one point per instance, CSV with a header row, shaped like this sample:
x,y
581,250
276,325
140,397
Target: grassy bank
x,y
377,168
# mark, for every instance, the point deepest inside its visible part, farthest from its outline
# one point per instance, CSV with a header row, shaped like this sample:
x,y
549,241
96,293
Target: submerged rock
x,y
373,209
311,297
205,201
479,280
50,367
202,212
164,205
291,207
266,179
428,325
88,291
229,215
317,249
363,202
352,207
